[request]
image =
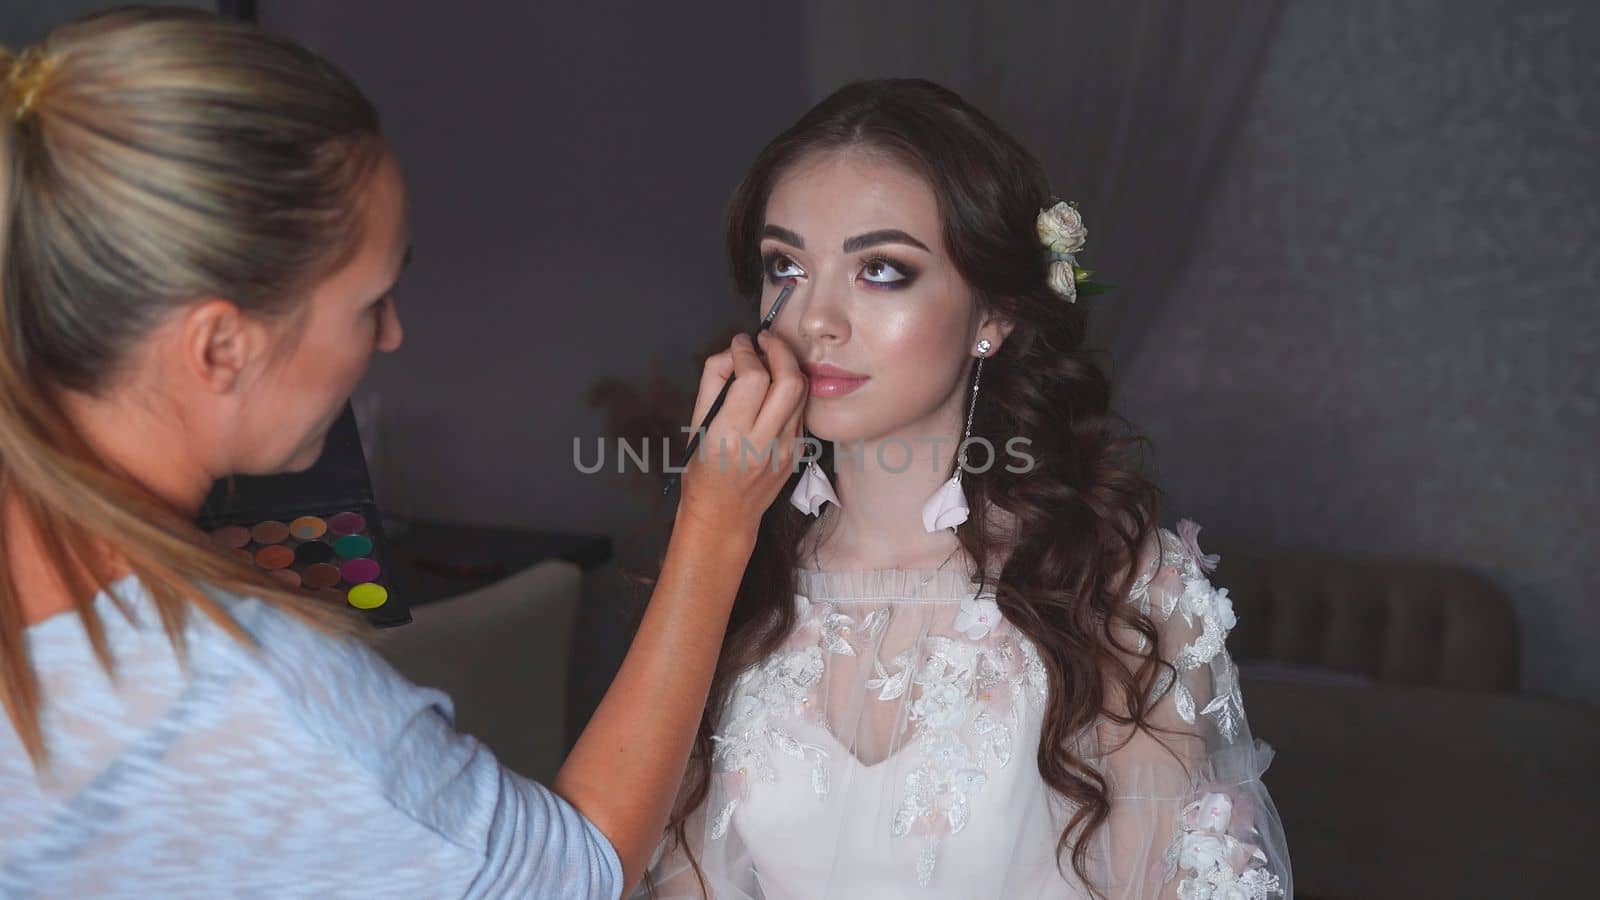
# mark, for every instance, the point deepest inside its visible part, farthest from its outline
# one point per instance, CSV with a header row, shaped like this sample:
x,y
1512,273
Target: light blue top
x,y
305,767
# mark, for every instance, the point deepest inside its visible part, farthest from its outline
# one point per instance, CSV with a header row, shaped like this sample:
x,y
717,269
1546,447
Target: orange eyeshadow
x,y
269,533
276,556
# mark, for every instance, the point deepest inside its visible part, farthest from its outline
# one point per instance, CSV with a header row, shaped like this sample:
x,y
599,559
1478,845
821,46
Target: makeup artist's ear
x,y
996,329
220,344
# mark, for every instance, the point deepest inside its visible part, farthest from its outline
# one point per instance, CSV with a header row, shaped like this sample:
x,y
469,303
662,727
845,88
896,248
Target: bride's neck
x,y
878,522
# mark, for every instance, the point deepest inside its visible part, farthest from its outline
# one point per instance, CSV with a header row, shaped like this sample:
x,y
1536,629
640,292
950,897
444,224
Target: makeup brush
x,y
694,439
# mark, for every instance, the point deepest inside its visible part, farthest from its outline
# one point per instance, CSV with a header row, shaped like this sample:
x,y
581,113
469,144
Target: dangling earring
x,y
947,508
812,490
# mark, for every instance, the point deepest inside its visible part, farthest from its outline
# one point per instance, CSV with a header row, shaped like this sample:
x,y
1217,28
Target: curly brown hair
x,y
1074,525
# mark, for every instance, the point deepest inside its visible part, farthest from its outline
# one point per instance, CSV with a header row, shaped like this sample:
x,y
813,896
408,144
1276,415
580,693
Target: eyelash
x,y
769,264
908,274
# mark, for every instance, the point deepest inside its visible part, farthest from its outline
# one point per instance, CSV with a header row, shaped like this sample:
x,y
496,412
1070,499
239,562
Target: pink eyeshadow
x,y
359,571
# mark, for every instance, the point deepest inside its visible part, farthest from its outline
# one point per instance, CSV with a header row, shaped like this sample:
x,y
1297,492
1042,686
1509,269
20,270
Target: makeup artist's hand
x,y
748,450
628,764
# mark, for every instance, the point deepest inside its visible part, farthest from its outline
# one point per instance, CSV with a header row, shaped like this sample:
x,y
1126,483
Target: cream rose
x,y
1061,229
1062,280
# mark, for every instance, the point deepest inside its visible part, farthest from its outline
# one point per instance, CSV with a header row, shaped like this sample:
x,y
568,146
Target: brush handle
x,y
722,395
694,439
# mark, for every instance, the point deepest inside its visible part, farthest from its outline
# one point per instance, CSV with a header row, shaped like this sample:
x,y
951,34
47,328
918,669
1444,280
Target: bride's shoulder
x,y
1171,563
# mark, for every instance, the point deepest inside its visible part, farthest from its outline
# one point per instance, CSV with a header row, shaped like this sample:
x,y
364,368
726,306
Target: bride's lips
x,y
832,381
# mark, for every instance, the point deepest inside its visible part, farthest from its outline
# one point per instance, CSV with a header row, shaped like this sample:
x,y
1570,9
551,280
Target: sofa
x,y
1409,763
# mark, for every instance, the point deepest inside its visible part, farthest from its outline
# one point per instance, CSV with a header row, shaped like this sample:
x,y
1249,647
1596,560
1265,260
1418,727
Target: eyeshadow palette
x,y
318,531
331,556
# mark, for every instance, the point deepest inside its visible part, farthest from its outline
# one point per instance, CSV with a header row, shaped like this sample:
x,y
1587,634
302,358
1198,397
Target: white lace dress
x,y
889,749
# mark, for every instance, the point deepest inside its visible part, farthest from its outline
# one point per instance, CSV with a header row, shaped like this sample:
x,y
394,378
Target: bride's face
x,y
880,318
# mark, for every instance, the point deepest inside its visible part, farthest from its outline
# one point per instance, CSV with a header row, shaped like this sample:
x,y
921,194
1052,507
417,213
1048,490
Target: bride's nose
x,y
822,312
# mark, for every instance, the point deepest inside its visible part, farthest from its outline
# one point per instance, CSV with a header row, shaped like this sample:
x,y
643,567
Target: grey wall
x,y
1388,338
568,167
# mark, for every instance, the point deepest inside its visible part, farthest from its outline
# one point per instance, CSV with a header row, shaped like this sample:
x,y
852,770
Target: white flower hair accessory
x,y
1063,234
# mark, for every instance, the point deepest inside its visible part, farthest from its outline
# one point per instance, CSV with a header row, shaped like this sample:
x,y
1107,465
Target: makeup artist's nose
x,y
822,317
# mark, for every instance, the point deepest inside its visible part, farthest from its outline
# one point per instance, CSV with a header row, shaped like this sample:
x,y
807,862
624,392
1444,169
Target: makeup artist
x,y
201,230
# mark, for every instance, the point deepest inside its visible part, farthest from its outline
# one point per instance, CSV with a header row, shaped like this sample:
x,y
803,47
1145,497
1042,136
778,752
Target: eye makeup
x,y
881,271
774,260
887,273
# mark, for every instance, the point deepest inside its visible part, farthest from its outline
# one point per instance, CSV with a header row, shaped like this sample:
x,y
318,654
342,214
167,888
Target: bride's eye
x,y
886,272
780,266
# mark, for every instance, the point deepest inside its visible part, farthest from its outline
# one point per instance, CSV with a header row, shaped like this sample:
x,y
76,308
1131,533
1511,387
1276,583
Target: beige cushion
x,y
501,653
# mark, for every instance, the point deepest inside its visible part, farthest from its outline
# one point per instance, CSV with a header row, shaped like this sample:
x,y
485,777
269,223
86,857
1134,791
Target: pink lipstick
x,y
832,381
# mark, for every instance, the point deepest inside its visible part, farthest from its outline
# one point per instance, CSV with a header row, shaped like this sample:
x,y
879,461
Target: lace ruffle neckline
x,y
886,585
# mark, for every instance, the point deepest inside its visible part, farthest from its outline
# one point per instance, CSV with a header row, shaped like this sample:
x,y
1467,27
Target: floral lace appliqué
x,y
964,698
783,687
968,696
1211,607
1218,864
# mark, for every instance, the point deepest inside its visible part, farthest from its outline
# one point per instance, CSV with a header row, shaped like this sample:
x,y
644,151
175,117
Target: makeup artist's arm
x,y
626,768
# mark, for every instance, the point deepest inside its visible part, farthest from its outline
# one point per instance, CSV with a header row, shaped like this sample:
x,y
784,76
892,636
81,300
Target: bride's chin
x,y
852,438
835,429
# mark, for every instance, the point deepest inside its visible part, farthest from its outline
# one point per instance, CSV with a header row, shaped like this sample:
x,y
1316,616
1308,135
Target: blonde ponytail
x,y
147,157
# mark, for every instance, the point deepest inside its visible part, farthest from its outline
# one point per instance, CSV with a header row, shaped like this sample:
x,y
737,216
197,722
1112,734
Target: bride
x,y
964,662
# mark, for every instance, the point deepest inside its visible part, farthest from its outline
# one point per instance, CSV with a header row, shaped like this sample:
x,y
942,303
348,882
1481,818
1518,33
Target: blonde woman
x,y
201,226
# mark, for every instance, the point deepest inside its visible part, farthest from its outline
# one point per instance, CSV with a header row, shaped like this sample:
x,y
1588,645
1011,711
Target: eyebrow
x,y
884,236
783,234
851,245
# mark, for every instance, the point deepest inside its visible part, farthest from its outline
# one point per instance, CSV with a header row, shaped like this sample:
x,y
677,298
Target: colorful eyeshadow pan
x,y
269,533
347,523
308,528
313,552
320,575
359,571
353,545
231,537
275,556
368,596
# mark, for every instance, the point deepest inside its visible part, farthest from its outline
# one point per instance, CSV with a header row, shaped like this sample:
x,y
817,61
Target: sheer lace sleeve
x,y
1190,818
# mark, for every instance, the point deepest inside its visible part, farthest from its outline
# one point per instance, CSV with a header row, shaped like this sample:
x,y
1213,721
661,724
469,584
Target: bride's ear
x,y
994,329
